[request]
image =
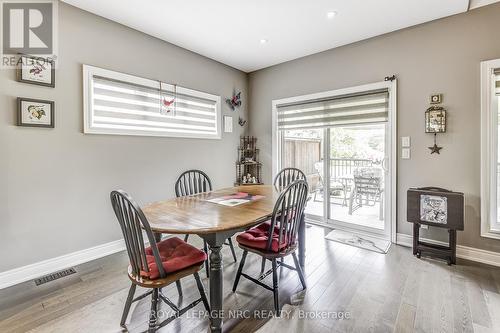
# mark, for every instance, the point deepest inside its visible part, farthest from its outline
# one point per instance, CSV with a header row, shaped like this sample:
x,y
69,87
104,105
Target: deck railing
x,y
305,153
340,167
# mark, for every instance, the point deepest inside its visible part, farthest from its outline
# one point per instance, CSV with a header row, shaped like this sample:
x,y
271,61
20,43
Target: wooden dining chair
x,y
276,238
287,176
156,266
193,182
284,178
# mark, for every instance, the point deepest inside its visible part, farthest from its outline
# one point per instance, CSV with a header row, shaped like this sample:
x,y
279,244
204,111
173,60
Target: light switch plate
x,y
228,124
405,141
405,153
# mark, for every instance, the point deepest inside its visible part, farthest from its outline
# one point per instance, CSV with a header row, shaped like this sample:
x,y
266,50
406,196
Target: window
x,y
121,104
490,146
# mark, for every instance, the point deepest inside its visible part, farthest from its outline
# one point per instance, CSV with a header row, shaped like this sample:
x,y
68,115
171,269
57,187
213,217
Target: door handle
x,y
384,165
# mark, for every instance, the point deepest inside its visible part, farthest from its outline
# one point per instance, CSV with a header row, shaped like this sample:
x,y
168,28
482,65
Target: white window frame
x,y
489,150
391,86
88,89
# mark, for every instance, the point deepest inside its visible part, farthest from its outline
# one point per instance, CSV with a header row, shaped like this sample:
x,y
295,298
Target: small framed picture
x,y
36,70
436,99
35,113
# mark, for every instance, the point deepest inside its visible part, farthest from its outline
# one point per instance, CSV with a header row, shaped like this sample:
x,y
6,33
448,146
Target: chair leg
x,y
186,237
275,288
344,202
240,269
351,201
232,249
153,317
263,266
202,291
128,303
207,266
179,287
299,270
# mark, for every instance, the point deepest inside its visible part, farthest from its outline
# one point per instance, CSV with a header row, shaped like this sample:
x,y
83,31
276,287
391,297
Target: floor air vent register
x,y
54,276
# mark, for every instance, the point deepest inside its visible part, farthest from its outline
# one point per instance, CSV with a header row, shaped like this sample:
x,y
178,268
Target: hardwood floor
x,y
380,293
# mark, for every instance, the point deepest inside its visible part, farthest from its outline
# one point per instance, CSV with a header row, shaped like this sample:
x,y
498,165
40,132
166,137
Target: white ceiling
x,y
230,31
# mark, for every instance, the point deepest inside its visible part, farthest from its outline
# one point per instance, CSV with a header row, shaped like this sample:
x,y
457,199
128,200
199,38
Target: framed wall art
x,y
36,70
35,112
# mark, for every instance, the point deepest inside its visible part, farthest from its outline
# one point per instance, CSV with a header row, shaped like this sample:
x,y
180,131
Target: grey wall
x,y
55,183
441,56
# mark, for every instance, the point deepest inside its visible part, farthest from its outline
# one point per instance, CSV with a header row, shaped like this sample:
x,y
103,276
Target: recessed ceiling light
x,y
331,15
263,41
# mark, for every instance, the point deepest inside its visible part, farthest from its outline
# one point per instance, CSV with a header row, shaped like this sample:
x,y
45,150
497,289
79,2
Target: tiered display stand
x,y
248,162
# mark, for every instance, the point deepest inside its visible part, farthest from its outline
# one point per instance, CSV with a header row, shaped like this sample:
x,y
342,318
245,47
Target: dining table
x,y
215,223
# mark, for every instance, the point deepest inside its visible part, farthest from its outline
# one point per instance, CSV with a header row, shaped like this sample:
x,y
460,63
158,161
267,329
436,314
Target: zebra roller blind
x,y
117,103
367,107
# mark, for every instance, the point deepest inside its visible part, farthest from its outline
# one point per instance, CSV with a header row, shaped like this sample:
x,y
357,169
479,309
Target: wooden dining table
x,y
215,223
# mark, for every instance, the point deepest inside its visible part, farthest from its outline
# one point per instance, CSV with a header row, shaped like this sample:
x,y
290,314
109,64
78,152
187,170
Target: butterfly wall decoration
x,y
235,101
242,121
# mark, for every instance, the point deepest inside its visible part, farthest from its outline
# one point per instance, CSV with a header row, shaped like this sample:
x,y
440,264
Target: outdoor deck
x,y
365,216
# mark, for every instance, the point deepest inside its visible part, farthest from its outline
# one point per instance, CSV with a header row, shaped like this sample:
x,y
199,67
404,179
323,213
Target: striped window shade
x,y
122,104
367,107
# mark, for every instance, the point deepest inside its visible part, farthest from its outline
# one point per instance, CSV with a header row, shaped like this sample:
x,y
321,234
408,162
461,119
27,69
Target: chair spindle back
x,y
287,176
287,214
132,222
192,182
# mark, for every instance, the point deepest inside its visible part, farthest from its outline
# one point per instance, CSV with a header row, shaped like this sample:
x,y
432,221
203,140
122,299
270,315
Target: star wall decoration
x,y
435,149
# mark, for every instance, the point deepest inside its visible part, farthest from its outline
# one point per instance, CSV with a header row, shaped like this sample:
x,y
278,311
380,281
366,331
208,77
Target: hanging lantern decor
x,y
435,122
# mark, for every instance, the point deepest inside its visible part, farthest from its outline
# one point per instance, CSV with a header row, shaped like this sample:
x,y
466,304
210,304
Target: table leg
x,y
215,242
453,246
416,236
302,241
216,288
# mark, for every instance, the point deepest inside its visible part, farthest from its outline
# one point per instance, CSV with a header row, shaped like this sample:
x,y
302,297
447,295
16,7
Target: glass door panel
x,y
358,175
304,149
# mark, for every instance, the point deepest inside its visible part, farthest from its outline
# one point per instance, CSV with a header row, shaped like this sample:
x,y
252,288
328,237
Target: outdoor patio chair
x,y
368,189
335,186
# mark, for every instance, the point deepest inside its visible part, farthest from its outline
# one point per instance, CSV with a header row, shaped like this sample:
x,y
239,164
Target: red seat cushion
x,y
175,255
258,236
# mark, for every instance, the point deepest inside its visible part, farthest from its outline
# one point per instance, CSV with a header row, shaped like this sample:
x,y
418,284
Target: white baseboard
x,y
33,271
463,252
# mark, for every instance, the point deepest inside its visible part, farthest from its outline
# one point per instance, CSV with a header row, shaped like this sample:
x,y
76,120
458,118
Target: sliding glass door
x,y
343,143
304,149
